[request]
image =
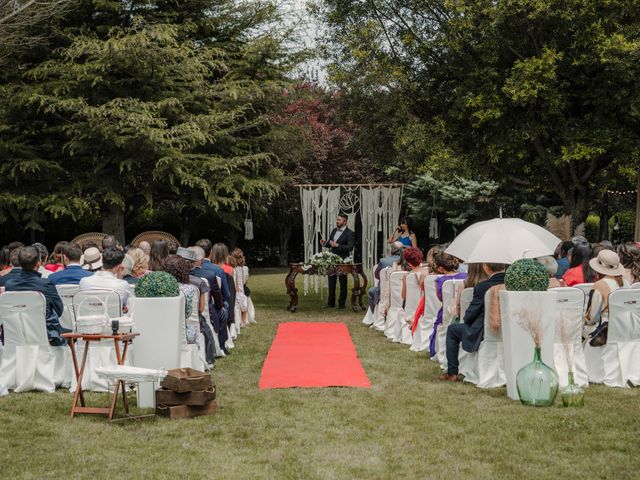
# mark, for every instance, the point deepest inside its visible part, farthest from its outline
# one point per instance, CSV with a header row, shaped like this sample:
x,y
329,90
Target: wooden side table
x,y
123,338
358,291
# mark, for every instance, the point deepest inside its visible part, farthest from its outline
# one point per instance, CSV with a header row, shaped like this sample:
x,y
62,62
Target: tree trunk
x,y
113,221
285,236
185,233
233,238
603,233
636,236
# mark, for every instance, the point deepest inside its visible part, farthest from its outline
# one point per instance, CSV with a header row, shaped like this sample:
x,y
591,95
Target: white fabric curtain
x,y
380,212
320,207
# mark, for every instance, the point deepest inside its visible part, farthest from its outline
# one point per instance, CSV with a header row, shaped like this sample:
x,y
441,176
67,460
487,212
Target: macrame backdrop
x,y
380,211
379,208
320,207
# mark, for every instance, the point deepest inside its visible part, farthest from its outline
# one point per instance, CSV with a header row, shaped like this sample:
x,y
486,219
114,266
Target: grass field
x,y
408,425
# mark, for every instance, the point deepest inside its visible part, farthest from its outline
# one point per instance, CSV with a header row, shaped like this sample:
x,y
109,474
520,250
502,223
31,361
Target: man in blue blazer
x,y
73,271
217,312
30,280
470,332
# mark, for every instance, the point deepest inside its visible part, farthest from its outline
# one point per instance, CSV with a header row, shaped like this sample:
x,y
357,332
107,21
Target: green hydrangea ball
x,y
157,284
526,275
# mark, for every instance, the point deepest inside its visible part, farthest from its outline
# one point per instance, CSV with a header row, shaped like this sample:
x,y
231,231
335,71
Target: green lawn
x,y
408,425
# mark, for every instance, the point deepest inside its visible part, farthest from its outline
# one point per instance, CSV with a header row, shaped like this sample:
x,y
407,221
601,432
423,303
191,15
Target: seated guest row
x,y
213,282
607,269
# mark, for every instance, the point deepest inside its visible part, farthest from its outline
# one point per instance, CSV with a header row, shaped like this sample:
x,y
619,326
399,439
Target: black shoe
x,y
226,351
328,306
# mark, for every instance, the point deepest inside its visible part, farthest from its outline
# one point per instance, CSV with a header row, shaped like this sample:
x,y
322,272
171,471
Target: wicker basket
x,y
95,323
85,238
153,235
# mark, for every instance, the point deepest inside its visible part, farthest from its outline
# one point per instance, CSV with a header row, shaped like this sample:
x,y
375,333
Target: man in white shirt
x,y
110,277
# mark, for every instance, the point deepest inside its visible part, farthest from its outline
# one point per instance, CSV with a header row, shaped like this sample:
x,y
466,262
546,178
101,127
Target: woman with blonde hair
x,y
243,295
140,262
629,254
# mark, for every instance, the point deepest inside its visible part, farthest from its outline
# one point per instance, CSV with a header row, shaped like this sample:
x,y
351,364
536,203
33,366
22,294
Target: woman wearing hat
x,y
609,272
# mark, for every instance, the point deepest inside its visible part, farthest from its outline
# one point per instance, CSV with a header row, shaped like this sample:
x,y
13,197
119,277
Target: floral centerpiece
x,y
324,262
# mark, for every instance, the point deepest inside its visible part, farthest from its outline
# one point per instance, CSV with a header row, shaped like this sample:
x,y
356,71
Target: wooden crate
x,y
169,397
185,411
186,380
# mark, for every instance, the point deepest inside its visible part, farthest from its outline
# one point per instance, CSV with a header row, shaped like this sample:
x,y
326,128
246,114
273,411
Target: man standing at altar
x,y
341,242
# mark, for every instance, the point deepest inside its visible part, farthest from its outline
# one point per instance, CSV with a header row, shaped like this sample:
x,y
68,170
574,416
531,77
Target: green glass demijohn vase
x,y
537,383
572,395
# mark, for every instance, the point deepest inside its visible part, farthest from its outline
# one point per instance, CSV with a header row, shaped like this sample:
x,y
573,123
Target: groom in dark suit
x,y
341,242
470,331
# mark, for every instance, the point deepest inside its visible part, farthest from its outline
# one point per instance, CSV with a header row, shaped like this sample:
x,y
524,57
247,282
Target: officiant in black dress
x,y
341,242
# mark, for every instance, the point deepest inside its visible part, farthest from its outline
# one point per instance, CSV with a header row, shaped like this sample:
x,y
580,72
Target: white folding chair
x,y
413,292
449,289
468,360
93,304
28,361
395,305
621,355
66,292
517,343
161,324
380,312
424,328
569,309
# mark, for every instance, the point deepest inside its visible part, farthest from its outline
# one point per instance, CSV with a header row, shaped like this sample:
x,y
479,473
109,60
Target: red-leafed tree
x,y
314,144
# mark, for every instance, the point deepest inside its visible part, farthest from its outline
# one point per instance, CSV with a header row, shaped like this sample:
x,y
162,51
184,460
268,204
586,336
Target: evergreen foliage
x,y
136,104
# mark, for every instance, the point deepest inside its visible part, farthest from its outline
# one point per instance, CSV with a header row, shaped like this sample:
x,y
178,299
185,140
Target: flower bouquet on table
x,y
325,263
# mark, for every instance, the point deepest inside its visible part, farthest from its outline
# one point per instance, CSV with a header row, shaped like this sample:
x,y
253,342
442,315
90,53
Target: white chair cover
x,y
569,310
161,324
586,290
193,355
251,309
491,353
28,362
468,361
102,353
68,317
425,322
368,317
449,289
412,298
395,312
380,312
621,354
518,343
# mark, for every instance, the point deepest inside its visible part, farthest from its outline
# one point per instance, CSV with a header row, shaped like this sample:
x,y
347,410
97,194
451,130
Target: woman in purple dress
x,y
447,266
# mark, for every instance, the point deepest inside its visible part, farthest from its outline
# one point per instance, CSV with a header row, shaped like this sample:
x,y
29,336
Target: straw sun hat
x,y
607,263
92,259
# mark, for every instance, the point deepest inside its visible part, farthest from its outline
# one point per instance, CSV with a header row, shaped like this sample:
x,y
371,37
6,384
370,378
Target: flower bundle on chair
x,y
526,275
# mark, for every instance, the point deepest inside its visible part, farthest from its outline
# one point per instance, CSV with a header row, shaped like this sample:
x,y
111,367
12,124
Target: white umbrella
x,y
502,240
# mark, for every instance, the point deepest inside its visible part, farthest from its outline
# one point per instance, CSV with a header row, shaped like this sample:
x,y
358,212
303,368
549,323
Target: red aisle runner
x,y
312,355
